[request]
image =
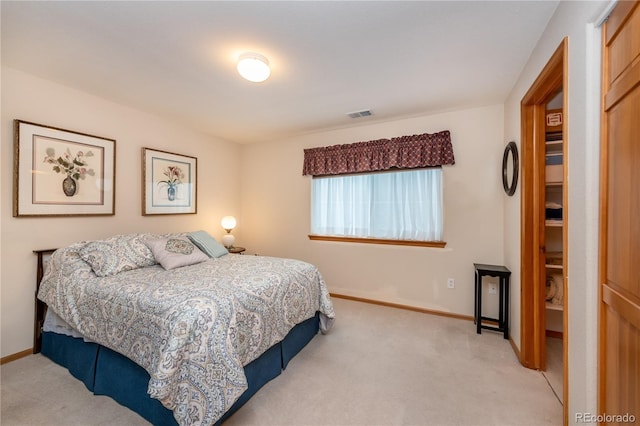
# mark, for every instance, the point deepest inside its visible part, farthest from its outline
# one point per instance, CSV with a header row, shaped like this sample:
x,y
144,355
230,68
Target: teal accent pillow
x,y
207,244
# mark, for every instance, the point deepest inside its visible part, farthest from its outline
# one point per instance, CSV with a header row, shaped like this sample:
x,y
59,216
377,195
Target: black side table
x,y
236,250
503,321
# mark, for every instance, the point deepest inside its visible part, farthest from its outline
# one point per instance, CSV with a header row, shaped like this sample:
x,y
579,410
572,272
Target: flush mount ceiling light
x,y
254,67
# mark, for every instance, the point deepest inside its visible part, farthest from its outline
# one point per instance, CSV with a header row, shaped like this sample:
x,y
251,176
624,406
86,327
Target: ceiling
x,y
328,58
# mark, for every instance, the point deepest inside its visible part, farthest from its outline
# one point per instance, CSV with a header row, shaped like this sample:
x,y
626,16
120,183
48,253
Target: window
x,y
392,205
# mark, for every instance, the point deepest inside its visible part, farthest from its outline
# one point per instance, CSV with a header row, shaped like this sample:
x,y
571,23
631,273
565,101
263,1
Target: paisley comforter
x,y
191,328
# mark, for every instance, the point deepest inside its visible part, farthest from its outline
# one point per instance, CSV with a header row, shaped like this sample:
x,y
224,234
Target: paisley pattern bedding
x,y
191,328
118,254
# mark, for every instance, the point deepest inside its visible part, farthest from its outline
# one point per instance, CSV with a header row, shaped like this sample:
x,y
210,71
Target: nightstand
x,y
503,320
236,250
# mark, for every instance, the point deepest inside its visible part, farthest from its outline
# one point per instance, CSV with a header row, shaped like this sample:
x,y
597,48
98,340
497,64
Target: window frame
x,y
415,243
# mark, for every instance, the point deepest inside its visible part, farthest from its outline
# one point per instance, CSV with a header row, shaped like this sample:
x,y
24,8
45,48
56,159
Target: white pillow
x,y
174,252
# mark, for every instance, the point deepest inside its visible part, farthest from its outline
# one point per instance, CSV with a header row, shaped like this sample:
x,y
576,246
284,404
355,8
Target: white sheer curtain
x,y
399,205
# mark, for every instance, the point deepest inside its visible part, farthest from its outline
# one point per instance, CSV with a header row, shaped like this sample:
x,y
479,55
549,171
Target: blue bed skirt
x,y
105,372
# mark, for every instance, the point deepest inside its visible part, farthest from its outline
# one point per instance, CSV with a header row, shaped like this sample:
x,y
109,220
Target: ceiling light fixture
x,y
254,67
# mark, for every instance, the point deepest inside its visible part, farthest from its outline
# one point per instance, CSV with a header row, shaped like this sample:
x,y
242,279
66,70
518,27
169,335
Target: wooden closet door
x,y
619,340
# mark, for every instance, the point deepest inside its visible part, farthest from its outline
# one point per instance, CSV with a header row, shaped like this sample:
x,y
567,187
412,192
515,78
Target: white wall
x,y
572,19
28,98
275,213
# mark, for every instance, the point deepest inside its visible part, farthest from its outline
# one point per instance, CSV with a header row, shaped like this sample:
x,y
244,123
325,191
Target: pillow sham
x,y
176,251
117,254
207,244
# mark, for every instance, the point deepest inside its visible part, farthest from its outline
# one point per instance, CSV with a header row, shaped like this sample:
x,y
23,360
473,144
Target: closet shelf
x,y
553,307
550,266
553,223
553,146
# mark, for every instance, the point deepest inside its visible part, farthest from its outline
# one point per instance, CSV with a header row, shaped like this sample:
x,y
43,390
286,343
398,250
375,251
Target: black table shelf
x,y
504,275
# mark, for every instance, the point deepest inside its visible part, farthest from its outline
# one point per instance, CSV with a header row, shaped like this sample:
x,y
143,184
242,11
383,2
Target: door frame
x,y
552,79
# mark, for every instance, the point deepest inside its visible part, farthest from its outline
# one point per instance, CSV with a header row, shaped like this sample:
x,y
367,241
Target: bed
x,y
177,341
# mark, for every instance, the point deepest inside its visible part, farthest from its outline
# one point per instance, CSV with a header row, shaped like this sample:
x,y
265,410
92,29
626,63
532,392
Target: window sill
x,y
435,244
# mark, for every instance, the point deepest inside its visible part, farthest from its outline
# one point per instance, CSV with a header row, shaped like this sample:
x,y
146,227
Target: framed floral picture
x,y
169,183
59,172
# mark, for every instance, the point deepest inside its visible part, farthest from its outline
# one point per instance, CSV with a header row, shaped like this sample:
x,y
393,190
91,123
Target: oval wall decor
x,y
510,168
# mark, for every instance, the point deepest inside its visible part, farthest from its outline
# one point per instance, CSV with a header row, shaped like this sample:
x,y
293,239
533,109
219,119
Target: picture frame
x,y
169,183
59,172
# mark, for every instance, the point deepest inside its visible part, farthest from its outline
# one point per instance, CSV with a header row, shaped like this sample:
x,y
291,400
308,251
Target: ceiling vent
x,y
358,114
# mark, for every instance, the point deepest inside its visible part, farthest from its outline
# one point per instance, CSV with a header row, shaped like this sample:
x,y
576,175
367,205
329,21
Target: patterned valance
x,y
405,152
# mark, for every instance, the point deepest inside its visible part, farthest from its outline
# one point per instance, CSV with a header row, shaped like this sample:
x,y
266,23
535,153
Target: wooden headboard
x,y
41,307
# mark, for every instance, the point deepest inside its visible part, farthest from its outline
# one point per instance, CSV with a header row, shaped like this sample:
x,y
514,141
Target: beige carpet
x,y
378,366
555,365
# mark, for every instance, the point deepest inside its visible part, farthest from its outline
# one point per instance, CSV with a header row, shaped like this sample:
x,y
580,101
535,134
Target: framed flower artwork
x,y
59,172
169,183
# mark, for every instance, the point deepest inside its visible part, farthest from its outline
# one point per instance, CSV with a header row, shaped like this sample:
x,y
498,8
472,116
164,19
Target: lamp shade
x,y
228,223
254,67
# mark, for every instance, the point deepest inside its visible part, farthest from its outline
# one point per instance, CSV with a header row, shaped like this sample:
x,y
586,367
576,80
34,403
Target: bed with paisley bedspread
x,y
203,336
